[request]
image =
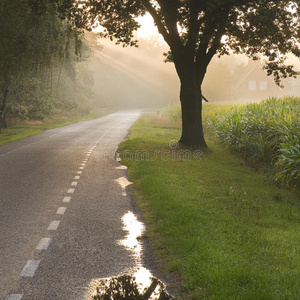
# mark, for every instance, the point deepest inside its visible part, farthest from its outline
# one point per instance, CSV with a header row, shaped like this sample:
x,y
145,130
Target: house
x,y
254,84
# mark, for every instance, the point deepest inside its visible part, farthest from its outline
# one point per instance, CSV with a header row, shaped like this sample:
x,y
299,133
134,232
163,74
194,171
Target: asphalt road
x,y
61,210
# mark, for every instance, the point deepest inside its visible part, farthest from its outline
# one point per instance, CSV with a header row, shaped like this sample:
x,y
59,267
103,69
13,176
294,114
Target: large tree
x,y
196,31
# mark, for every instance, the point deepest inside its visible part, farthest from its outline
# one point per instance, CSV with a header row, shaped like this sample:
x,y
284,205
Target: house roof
x,y
244,75
251,68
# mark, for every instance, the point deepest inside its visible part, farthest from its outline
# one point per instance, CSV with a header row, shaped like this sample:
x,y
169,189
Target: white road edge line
x,y
30,268
44,244
53,225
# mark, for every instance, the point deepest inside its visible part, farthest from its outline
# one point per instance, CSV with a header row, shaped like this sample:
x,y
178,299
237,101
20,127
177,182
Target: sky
x,y
147,26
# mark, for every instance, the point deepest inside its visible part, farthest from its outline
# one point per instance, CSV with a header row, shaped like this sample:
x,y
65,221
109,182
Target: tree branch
x,y
194,24
160,26
170,12
216,43
220,29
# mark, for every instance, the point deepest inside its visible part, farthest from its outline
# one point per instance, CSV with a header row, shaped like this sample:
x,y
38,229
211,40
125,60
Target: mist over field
x,y
133,77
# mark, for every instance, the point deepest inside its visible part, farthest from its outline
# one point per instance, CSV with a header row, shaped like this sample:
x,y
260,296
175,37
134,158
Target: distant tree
x,y
33,41
194,31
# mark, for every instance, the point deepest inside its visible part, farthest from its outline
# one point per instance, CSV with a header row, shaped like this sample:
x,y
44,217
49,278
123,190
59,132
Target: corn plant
x,y
289,163
267,132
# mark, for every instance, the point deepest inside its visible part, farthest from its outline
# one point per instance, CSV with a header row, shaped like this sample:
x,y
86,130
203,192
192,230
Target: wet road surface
x,y
63,207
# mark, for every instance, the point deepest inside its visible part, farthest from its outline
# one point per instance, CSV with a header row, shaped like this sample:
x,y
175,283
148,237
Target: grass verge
x,y
227,230
28,128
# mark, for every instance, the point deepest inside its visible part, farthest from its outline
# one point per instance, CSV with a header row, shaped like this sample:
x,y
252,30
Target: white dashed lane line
x,y
61,210
32,265
67,199
30,268
44,244
53,225
14,297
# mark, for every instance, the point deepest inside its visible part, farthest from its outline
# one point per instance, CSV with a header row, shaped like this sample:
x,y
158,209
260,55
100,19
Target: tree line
x,y
40,62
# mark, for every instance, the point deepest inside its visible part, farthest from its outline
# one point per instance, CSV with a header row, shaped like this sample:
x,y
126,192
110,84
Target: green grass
x,y
266,134
27,128
224,228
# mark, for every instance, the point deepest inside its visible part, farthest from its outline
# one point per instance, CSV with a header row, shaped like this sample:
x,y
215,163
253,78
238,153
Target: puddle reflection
x,y
134,230
138,286
128,287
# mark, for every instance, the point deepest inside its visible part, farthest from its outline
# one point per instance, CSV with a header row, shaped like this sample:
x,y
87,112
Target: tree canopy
x,y
206,28
196,31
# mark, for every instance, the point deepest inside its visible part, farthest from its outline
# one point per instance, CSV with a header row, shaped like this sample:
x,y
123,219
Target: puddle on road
x,y
123,182
141,285
134,229
127,287
123,167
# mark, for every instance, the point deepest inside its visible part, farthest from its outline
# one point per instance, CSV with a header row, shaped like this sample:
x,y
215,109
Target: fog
x,y
132,77
238,79
139,78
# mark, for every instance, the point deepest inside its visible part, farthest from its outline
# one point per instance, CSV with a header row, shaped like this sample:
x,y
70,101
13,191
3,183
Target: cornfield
x,y
266,133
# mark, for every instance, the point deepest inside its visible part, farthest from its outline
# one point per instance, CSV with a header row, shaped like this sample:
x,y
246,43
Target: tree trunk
x,y
51,78
2,110
191,76
191,106
59,75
